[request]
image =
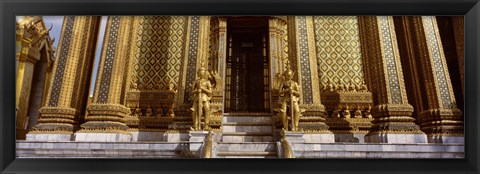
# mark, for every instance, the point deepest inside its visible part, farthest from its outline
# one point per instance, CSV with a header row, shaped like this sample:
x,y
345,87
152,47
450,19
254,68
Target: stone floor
x,y
71,149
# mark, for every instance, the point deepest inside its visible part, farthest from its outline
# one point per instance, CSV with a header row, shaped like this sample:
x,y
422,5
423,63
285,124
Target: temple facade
x,y
362,80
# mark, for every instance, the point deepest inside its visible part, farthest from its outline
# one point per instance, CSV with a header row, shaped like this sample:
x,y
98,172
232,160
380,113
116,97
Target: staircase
x,y
247,136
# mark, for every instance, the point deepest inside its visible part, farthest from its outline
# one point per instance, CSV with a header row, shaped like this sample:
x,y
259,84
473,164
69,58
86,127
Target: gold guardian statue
x,y
202,92
290,95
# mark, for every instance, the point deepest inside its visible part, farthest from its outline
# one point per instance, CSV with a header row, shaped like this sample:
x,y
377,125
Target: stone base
x,y
319,138
350,138
49,137
197,136
176,137
197,139
103,137
148,136
295,137
446,139
396,138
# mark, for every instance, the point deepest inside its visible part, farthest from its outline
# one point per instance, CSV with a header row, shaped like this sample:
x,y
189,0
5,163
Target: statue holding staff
x,y
290,95
202,92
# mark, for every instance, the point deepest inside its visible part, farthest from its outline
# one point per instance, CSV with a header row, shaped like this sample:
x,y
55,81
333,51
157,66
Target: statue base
x,y
103,137
177,136
295,137
197,139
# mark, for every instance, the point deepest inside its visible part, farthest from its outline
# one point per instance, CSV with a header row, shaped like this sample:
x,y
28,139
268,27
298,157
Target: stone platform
x,y
71,149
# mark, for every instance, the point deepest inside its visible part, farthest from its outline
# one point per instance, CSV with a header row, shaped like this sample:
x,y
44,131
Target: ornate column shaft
x,y
303,61
68,91
199,30
105,119
392,114
305,58
222,46
276,35
439,116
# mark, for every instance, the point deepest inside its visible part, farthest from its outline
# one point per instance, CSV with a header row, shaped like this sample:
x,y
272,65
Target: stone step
x,y
247,156
264,128
246,118
238,137
247,147
242,154
249,123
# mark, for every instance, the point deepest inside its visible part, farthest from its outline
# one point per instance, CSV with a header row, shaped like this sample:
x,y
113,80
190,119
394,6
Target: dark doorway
x,y
247,77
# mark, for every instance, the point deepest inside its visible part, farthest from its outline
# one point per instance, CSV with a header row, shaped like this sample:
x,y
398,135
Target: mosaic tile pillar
x,y
197,51
392,112
68,92
105,119
304,64
440,119
306,60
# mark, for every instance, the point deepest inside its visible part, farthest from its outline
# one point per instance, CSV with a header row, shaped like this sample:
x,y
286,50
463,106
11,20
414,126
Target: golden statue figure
x,y
290,96
202,92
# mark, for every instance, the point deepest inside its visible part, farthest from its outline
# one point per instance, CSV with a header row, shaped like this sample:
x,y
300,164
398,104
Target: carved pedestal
x,y
348,112
56,124
197,139
394,124
105,122
443,125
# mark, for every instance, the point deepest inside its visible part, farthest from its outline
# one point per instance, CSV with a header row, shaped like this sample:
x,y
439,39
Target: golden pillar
x,y
393,121
302,58
67,95
302,55
438,114
277,33
197,51
222,46
203,41
105,119
217,63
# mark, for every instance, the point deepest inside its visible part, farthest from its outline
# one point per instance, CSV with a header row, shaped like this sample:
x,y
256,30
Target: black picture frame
x,y
9,9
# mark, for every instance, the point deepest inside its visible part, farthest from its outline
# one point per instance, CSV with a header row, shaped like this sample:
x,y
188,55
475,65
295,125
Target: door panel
x,y
247,88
